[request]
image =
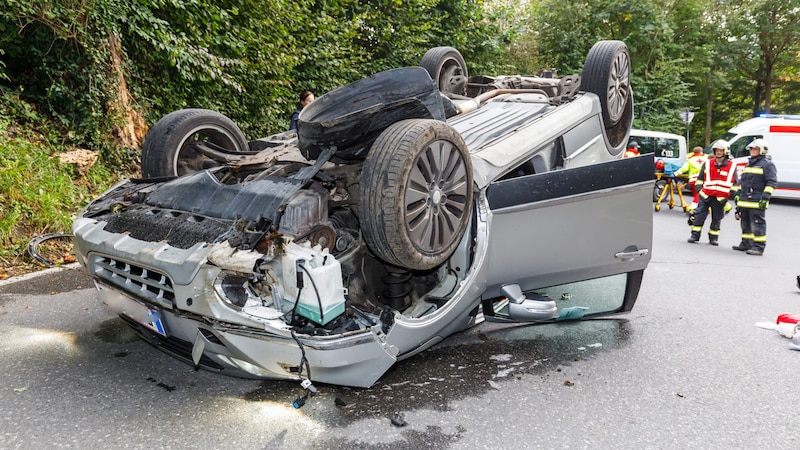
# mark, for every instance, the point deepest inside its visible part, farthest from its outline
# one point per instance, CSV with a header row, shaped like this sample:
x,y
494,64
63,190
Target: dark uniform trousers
x,y
700,214
754,226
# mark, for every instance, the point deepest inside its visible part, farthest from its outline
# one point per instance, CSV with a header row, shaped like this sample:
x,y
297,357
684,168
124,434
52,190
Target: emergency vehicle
x,y
782,132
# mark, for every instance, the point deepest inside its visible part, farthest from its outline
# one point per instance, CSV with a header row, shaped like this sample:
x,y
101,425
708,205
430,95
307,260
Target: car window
x,y
600,295
739,146
573,300
660,147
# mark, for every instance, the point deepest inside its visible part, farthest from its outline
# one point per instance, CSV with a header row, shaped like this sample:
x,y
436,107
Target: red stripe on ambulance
x,y
784,128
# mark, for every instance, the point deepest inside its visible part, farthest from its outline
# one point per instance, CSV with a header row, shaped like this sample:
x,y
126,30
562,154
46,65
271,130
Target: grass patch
x,y
38,193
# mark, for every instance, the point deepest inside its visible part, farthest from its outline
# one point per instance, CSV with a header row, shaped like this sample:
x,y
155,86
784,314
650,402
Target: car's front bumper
x,y
167,295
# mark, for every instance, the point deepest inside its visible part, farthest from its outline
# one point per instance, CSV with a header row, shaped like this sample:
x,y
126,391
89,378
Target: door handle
x,y
631,253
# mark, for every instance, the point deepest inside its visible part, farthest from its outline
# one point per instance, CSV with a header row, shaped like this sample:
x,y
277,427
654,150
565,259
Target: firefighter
x,y
751,193
714,181
633,150
692,167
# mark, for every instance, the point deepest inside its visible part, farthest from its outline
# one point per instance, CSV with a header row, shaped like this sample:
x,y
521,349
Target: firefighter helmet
x,y
761,144
723,144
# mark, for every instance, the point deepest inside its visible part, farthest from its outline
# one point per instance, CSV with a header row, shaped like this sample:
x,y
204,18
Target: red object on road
x,y
787,318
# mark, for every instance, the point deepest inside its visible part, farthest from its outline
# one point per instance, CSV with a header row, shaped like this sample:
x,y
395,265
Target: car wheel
x,y
607,73
415,196
168,147
447,68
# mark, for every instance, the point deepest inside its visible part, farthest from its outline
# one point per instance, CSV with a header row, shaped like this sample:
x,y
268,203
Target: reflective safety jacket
x,y
716,178
630,153
757,182
692,166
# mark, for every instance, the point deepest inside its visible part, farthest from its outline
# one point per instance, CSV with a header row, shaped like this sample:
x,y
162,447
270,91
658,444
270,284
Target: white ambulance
x,y
782,132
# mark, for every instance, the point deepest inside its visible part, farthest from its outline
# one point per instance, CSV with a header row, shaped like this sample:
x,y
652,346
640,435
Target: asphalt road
x,y
687,368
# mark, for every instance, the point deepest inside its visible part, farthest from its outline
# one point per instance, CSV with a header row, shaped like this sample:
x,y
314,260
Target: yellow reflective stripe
x,y
747,204
754,170
697,228
769,189
713,232
747,236
759,239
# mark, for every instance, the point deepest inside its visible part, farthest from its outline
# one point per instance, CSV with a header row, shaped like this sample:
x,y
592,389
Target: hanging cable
x,y
316,291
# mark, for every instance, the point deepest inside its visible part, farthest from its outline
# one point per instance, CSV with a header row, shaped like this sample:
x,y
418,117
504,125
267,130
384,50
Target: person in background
x,y
714,181
305,97
692,167
633,150
751,194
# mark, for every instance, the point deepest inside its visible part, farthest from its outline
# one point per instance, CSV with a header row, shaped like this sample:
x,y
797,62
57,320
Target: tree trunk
x,y
709,108
768,89
757,98
130,128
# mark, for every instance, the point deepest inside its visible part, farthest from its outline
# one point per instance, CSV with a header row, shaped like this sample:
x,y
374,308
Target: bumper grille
x,y
140,282
177,348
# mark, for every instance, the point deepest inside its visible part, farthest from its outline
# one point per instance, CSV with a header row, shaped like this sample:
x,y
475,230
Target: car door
x,y
578,227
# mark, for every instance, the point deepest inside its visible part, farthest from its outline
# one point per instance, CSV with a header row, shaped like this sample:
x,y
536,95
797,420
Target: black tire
x,y
659,186
413,209
167,149
447,68
607,73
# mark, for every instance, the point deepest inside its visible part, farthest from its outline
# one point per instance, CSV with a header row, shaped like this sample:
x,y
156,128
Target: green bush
x,y
39,194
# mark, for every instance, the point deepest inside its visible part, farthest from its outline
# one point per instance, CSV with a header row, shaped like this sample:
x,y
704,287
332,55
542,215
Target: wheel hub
x,y
437,196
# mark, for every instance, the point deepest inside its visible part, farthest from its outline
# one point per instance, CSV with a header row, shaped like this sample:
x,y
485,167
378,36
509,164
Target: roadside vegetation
x,y
93,76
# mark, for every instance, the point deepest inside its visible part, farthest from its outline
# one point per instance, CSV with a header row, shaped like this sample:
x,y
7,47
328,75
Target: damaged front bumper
x,y
175,300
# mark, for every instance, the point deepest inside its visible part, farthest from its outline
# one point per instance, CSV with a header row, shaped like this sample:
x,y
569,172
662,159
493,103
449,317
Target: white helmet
x,y
761,144
723,144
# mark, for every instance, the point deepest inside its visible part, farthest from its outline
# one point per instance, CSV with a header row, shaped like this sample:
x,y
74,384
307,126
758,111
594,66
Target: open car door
x,y
588,234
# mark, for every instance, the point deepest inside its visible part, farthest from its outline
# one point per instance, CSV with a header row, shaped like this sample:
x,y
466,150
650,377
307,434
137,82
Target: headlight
x,y
234,288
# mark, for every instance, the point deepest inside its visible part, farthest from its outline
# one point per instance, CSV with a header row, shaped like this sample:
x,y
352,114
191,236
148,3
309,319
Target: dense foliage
x,y
94,74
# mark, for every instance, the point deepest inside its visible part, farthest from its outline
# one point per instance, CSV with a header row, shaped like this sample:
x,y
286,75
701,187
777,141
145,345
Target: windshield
x,y
738,143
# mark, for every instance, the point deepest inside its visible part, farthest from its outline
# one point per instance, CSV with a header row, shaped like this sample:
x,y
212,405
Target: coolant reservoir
x,y
321,298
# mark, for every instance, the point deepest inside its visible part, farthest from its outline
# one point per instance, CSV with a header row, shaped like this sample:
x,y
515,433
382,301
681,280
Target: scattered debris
x,y
787,325
82,159
397,420
34,245
568,383
164,386
339,402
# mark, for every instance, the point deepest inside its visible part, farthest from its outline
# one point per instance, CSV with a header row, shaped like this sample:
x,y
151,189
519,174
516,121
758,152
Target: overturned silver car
x,y
409,206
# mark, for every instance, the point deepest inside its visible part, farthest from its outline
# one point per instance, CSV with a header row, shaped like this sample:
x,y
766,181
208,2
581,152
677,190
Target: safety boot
x,y
742,247
755,251
694,238
713,240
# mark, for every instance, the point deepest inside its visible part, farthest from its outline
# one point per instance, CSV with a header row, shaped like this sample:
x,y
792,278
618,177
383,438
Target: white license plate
x,y
147,315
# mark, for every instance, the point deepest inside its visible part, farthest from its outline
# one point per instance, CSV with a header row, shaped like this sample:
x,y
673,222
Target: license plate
x,y
146,315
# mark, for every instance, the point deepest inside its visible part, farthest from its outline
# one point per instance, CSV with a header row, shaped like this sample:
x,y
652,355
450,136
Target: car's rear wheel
x,y
447,68
168,149
416,193
607,73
